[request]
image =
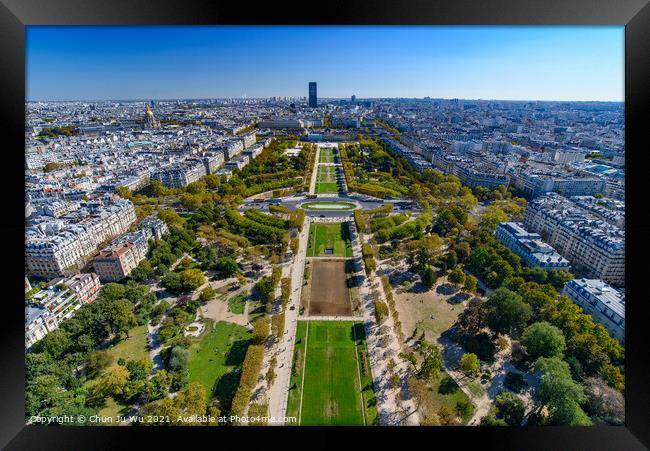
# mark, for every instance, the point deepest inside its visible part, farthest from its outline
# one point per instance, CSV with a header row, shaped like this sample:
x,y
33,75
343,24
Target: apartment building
x,y
529,246
564,184
414,158
605,304
593,246
248,139
181,175
58,301
474,175
85,285
239,162
115,262
59,247
157,227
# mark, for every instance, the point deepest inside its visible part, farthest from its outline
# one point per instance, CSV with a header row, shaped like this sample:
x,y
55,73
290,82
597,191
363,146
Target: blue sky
x,y
509,63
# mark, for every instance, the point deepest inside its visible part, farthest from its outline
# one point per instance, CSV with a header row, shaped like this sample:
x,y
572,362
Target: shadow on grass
x,y
359,332
237,352
447,386
224,389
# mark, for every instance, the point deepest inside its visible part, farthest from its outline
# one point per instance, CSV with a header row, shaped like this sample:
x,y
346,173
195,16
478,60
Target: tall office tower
x,y
353,99
313,101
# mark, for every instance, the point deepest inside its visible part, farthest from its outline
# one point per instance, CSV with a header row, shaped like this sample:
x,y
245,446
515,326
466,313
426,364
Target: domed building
x,y
149,119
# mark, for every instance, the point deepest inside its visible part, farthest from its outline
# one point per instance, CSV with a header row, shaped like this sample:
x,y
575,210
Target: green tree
x,y
613,376
179,358
196,187
492,216
227,266
510,408
96,362
506,312
113,381
470,320
456,276
559,278
470,283
113,291
212,181
124,192
120,317
56,343
158,386
428,277
543,340
139,369
142,272
191,279
432,361
419,261
261,330
491,420
469,364
207,294
170,217
560,393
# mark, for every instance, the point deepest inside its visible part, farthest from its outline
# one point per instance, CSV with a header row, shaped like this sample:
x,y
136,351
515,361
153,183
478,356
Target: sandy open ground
x,y
329,291
427,311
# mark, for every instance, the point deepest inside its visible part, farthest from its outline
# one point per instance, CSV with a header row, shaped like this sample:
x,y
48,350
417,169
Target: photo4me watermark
x,y
191,419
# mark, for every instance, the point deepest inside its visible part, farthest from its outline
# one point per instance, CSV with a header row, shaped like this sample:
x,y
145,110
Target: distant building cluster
x,y
537,147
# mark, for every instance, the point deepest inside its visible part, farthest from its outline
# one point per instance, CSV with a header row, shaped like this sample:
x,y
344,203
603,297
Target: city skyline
x,y
477,63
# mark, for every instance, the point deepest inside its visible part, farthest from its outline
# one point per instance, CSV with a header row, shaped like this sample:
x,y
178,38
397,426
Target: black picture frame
x,y
633,14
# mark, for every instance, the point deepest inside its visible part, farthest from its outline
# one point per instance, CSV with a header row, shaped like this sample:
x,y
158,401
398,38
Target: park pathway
x,y
279,392
391,408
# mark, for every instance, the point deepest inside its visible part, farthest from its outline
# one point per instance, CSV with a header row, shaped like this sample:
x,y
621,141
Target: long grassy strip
x,y
302,383
356,355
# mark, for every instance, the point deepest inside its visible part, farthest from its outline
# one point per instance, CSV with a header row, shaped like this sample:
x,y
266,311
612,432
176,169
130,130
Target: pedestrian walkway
x,y
391,408
330,318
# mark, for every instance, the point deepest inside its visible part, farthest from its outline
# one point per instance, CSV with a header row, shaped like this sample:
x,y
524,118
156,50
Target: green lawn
x,y
328,180
237,304
323,236
326,155
112,409
331,383
326,188
324,205
216,356
293,402
132,348
475,388
438,393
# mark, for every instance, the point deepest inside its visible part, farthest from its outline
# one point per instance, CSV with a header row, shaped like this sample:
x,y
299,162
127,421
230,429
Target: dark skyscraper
x,y
313,100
